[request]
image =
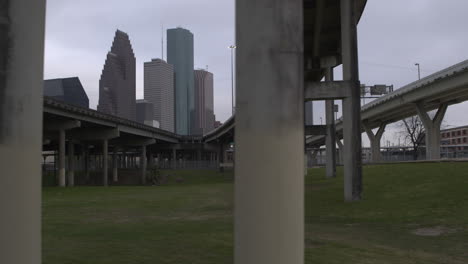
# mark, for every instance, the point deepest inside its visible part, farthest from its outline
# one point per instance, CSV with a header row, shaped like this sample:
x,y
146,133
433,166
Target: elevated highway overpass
x,y
434,92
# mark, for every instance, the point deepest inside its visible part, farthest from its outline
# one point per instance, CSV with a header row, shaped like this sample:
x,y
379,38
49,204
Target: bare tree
x,y
413,130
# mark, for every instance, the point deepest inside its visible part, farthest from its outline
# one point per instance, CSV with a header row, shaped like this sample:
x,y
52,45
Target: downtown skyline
x,y
384,57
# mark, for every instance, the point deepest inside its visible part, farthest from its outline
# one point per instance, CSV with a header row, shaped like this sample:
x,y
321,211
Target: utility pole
x,y
419,71
232,47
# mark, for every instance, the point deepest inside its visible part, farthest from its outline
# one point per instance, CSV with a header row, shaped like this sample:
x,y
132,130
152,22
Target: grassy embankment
x,y
411,213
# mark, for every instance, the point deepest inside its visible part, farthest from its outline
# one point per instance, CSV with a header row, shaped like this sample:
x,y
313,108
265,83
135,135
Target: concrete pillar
x,y
174,158
376,155
21,82
269,167
71,163
199,158
62,176
151,160
86,162
432,129
115,175
330,165
105,159
351,105
143,165
221,156
340,150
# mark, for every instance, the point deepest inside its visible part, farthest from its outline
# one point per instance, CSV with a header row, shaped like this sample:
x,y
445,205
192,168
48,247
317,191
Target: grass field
x,y
411,213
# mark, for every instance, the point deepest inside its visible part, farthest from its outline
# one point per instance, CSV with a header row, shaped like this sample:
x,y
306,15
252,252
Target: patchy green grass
x,y
191,222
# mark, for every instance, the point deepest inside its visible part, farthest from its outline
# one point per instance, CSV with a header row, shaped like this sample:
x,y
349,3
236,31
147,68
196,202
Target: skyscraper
x,y
117,83
159,90
180,55
203,115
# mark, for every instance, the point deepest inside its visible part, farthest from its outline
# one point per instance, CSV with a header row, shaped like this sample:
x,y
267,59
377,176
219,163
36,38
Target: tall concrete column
x,y
151,160
71,163
86,162
269,167
432,129
174,158
105,161
62,175
115,170
21,82
199,158
340,150
352,104
376,155
330,138
143,163
221,156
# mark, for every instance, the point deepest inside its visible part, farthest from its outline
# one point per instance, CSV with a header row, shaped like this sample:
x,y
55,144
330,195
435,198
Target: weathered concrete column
x,y
21,81
376,155
86,162
351,105
330,137
143,164
432,128
105,161
62,175
115,167
151,160
71,163
174,158
269,167
340,150
221,160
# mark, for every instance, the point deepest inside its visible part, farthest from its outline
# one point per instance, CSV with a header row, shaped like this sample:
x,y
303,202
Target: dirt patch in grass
x,y
433,231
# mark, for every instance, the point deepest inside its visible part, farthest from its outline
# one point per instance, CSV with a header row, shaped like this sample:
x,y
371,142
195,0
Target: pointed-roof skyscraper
x,y
117,83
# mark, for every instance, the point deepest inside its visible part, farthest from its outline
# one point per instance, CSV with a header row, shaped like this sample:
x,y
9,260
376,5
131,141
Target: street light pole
x,y
419,71
232,47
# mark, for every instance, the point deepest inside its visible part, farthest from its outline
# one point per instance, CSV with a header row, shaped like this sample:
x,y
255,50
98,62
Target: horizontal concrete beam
x,y
327,90
58,125
133,142
315,130
91,134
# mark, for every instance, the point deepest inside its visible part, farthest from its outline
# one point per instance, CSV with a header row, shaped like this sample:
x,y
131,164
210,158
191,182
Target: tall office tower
x,y
309,113
159,90
203,115
117,83
180,55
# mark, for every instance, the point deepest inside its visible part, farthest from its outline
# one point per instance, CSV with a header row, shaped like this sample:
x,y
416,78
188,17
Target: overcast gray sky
x,y
393,35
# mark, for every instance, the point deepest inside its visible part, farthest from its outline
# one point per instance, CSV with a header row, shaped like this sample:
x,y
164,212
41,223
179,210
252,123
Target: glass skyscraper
x,y
180,55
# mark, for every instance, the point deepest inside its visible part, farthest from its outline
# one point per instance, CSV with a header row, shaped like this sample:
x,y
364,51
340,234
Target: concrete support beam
x,y
340,150
59,125
221,156
115,166
376,155
143,163
352,104
269,167
174,158
21,82
95,134
432,128
330,139
86,162
62,176
105,161
71,163
328,90
315,130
